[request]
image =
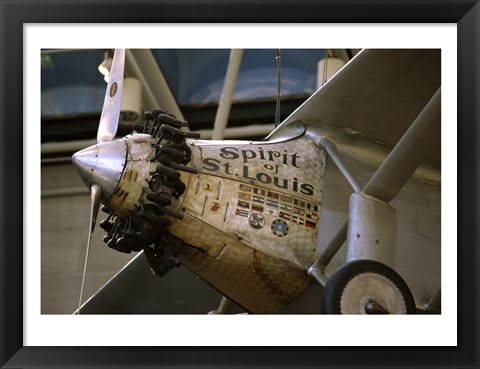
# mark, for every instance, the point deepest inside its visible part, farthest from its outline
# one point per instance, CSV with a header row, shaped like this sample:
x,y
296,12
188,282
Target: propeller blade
x,y
96,196
107,127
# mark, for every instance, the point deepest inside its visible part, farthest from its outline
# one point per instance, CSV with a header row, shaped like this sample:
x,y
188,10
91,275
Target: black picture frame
x,y
14,14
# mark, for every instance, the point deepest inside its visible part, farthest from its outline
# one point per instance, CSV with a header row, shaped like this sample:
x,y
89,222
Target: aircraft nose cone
x,y
102,164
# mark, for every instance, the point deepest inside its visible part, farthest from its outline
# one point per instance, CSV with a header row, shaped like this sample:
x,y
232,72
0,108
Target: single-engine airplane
x,y
344,193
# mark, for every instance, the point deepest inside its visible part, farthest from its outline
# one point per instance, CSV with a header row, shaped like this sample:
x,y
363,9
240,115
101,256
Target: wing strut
x,y
408,154
392,174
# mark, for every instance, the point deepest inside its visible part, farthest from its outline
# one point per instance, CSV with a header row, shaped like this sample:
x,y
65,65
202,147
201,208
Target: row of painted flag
x,y
251,198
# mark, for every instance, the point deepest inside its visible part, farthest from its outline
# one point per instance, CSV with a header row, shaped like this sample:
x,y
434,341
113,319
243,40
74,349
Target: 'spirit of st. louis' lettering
x,y
262,166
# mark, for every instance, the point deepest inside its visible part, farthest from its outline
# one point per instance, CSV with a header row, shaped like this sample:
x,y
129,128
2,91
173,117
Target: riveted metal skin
x,y
102,164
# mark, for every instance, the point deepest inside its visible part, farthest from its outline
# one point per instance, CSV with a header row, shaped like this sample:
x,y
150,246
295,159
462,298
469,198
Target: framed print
x,y
35,335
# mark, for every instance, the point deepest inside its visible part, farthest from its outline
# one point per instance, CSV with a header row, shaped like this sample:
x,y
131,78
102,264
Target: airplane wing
x,y
377,93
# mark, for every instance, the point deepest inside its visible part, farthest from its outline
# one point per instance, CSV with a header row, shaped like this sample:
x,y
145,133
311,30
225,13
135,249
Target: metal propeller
x,y
107,127
96,196
91,166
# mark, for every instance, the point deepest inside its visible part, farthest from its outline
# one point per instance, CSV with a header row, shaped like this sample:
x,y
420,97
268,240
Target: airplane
x,y
344,194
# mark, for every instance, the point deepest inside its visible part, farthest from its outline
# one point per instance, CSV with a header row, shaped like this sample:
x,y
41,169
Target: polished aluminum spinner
x,y
102,164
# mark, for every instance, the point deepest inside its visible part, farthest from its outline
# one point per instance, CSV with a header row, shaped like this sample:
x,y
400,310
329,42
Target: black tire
x,y
382,287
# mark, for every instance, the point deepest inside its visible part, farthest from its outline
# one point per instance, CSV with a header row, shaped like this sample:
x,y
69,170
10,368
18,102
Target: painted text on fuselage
x,y
244,163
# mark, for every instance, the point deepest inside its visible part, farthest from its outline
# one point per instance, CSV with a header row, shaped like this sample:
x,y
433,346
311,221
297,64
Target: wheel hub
x,y
372,293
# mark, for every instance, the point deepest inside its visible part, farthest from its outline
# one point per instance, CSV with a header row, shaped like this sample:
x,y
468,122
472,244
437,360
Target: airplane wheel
x,y
367,287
